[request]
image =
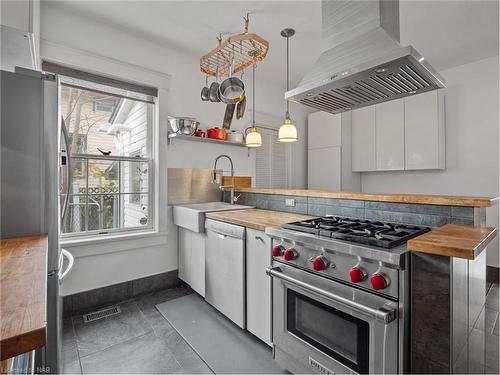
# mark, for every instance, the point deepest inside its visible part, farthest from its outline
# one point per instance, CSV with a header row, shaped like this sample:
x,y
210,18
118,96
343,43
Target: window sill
x,y
111,238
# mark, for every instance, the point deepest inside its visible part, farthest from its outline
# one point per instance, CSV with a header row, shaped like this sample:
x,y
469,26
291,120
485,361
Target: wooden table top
x,y
23,302
443,200
256,218
452,240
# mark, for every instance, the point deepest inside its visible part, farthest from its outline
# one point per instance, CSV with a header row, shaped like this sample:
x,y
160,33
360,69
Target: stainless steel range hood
x,y
362,62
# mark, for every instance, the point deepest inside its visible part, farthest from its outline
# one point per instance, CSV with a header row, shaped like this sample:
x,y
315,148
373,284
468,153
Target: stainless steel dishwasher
x,y
225,269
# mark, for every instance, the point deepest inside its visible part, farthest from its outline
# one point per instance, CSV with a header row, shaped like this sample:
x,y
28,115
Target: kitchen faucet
x,y
222,187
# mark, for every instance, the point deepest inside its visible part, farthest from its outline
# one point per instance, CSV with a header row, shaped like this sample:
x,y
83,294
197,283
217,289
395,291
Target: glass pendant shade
x,y
253,138
287,132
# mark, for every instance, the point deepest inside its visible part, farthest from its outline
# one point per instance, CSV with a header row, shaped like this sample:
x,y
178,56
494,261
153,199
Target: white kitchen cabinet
x,y
324,168
390,135
363,139
424,131
192,259
258,290
329,153
324,130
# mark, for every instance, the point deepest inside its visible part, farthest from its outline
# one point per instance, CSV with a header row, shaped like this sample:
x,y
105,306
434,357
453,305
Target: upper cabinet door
x,y
424,131
324,168
363,139
324,130
390,135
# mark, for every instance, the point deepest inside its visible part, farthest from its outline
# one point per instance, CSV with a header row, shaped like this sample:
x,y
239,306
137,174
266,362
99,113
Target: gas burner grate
x,y
367,232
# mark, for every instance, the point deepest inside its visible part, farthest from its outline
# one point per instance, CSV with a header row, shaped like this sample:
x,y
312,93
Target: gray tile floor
x,y
139,340
490,328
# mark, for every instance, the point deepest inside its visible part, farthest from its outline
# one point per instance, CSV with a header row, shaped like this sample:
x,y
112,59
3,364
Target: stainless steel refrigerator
x,y
34,177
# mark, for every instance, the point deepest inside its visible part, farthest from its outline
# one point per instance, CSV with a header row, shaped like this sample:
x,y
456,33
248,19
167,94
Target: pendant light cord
x,y
253,95
287,76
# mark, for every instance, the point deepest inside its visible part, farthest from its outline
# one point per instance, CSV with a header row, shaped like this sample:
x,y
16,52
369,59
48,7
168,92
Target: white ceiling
x,y
447,33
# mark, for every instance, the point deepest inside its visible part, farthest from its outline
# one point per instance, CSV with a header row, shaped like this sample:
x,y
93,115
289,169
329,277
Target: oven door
x,y
323,326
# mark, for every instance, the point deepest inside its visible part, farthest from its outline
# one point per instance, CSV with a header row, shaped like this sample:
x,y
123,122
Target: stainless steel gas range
x,y
341,295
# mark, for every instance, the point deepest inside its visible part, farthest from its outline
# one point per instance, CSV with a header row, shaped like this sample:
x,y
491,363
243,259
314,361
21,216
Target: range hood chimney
x,y
362,62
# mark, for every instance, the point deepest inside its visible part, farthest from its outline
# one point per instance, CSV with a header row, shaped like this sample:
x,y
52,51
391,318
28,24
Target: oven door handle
x,y
385,314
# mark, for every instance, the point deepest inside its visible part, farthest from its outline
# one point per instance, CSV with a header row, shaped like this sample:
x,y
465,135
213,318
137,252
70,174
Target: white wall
x,y
472,142
70,39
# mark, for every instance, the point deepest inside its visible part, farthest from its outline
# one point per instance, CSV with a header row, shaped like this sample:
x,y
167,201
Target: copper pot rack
x,y
246,49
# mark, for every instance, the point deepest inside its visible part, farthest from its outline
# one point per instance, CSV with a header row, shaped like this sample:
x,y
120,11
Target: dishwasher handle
x,y
385,314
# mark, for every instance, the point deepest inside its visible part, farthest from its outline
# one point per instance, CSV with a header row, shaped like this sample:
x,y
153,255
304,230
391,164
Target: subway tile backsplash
x,y
403,213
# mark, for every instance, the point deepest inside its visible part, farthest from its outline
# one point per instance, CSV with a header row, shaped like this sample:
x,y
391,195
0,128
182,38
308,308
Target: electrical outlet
x,y
290,202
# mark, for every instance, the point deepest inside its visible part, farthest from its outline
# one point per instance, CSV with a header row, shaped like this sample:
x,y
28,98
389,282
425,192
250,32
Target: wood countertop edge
x,y
28,313
20,344
441,200
423,244
225,216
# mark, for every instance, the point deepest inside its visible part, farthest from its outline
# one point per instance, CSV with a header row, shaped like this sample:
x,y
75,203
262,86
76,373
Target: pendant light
x,y
253,138
287,132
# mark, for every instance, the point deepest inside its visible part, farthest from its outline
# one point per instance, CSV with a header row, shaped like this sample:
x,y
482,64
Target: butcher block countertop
x,y
23,303
256,218
452,240
444,200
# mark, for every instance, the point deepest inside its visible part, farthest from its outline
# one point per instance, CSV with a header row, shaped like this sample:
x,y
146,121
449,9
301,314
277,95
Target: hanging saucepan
x,y
232,89
214,89
205,91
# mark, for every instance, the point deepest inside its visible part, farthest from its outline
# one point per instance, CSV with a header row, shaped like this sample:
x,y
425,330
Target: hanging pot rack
x,y
246,49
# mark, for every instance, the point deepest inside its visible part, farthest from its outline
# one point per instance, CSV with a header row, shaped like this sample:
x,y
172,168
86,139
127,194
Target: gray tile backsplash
x,y
404,213
336,202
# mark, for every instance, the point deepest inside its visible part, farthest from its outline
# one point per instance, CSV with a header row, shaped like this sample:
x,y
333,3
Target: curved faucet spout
x,y
232,174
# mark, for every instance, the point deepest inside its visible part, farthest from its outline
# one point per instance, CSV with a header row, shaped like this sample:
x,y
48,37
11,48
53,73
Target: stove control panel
x,y
363,273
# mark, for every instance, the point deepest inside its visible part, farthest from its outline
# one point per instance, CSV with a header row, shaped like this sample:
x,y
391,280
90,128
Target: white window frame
x,y
152,225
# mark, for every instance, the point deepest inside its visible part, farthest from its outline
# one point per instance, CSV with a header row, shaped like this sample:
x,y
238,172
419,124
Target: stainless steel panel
x,y
225,274
477,299
230,230
22,155
394,257
460,317
54,325
50,176
189,185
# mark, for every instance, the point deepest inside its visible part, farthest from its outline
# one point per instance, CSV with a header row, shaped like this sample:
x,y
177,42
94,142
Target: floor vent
x,y
96,315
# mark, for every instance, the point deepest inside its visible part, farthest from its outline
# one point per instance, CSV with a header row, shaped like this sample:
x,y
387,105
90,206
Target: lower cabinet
x,y
192,259
258,284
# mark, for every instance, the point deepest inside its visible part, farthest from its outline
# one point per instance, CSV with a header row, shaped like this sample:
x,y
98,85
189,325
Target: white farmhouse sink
x,y
192,216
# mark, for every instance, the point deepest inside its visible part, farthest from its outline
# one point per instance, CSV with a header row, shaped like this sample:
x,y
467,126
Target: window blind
x,y
271,161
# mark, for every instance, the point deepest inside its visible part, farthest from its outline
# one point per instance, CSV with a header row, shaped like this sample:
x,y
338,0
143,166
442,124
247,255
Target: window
x,y
110,148
271,160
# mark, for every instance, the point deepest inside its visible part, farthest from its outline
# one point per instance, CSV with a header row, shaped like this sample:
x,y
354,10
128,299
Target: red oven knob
x,y
320,263
378,281
290,254
357,274
277,251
